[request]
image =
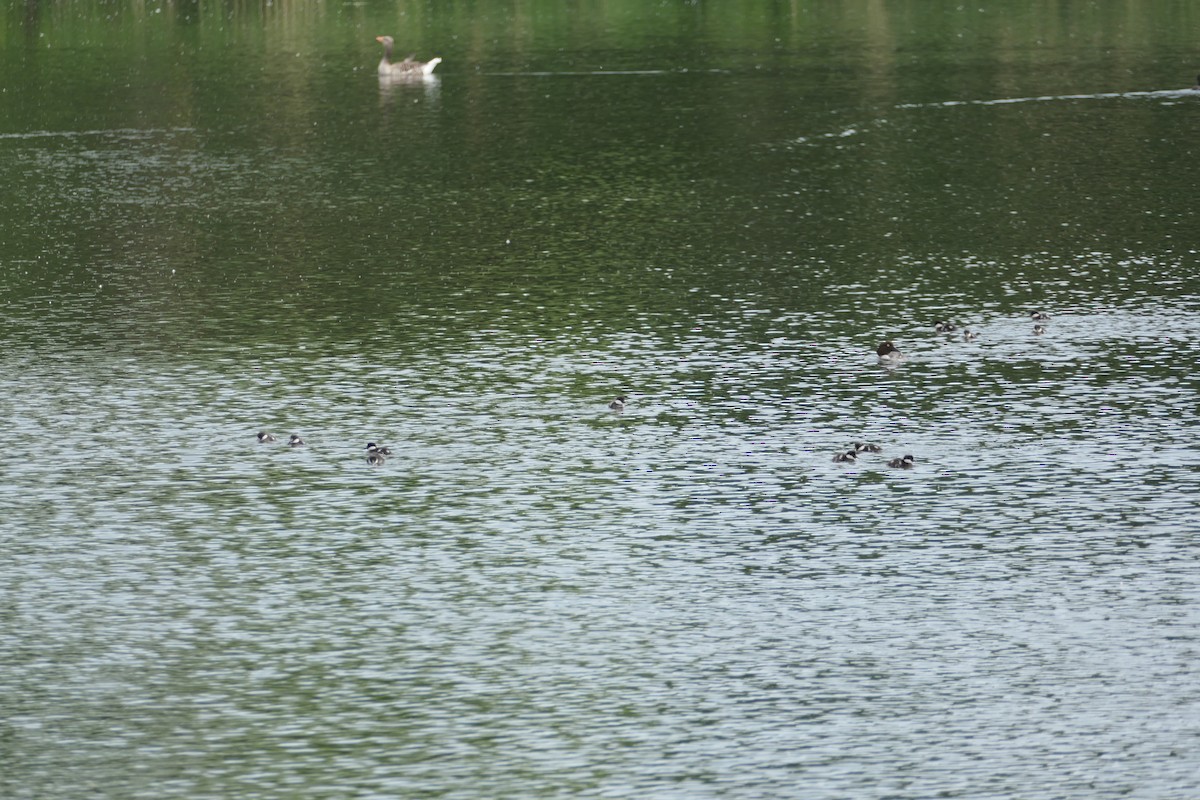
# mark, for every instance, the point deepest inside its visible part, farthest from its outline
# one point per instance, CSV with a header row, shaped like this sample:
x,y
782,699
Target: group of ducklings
x,y
266,438
857,448
850,456
887,352
376,455
890,355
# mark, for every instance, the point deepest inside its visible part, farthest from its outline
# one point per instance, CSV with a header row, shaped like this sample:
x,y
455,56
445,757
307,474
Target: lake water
x,y
218,222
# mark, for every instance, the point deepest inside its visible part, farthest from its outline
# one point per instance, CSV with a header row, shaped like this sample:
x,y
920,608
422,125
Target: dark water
x,y
225,224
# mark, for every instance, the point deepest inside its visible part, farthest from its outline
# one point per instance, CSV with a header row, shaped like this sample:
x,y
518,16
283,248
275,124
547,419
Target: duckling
x,y
865,447
902,463
970,335
264,437
1039,316
847,457
374,448
295,440
1038,330
618,403
945,327
889,354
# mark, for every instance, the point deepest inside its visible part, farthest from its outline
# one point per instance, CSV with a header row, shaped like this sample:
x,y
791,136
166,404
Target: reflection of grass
x,y
267,175
595,34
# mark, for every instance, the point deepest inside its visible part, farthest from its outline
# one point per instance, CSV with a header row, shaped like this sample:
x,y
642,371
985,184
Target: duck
x,y
376,449
889,354
408,68
1038,330
970,336
905,462
375,459
865,447
1039,316
618,403
847,457
944,327
264,437
295,440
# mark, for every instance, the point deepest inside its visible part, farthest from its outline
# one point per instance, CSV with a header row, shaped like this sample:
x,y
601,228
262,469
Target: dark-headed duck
x,y
888,353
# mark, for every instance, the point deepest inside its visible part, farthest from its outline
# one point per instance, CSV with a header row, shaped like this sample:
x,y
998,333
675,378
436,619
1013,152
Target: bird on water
x,y
408,68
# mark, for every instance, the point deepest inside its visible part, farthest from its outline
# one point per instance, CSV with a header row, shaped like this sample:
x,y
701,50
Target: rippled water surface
x,y
234,228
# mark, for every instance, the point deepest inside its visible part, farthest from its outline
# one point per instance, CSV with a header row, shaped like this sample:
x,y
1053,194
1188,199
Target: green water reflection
x,y
260,150
215,219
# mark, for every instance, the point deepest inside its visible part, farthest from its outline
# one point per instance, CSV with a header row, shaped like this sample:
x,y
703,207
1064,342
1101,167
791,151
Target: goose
x,y
408,68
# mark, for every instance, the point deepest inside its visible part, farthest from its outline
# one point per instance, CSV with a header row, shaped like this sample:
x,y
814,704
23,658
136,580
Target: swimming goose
x,y
408,68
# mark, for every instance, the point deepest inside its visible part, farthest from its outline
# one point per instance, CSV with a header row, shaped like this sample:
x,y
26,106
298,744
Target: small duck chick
x,y
848,457
945,327
375,459
295,440
866,447
1039,316
618,403
889,353
1038,330
374,448
264,437
970,336
902,463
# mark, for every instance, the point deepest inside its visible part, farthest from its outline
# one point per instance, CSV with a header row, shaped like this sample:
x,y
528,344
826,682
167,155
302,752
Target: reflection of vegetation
x,y
176,62
153,55
720,32
271,152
